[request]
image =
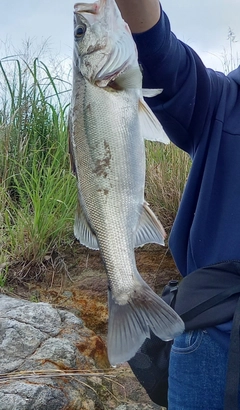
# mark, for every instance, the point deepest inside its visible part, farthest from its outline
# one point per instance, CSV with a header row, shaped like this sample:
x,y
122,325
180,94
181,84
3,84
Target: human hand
x,y
140,15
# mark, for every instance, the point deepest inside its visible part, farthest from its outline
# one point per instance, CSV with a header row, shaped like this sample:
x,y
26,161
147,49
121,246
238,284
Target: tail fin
x,y
129,325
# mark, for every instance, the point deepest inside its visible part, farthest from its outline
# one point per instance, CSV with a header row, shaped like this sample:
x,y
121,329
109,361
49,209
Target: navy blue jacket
x,y
200,111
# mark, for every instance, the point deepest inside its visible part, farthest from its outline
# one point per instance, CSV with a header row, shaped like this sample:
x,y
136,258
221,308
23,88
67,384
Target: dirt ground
x,y
75,279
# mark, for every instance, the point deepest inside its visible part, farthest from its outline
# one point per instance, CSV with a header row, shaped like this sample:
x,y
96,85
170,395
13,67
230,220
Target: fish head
x,y
103,46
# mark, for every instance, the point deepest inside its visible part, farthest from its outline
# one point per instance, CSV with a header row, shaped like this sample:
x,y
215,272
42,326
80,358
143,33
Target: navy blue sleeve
x,y
188,86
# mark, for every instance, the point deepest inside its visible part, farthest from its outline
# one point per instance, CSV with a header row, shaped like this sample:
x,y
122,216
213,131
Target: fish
x,y
108,123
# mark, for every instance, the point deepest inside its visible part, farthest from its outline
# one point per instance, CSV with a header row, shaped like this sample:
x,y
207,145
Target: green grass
x,y
38,191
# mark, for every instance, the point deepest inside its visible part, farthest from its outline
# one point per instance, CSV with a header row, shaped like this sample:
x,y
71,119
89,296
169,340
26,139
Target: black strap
x,y
207,304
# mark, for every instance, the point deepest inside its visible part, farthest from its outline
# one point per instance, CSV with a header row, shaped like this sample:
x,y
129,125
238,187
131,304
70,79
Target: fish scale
x,y
107,125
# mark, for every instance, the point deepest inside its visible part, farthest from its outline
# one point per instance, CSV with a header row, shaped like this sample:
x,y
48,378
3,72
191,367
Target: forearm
x,y
169,64
140,15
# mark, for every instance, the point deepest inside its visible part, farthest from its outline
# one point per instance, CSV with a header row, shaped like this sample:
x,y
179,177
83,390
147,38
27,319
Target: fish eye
x,y
80,31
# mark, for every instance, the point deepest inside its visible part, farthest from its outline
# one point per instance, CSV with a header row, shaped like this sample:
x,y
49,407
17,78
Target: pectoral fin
x,y
150,229
148,92
150,127
83,231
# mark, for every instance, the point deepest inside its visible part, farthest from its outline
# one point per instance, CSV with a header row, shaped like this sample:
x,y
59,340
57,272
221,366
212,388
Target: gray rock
x,y
36,341
36,337
67,294
70,318
25,396
32,314
17,341
58,351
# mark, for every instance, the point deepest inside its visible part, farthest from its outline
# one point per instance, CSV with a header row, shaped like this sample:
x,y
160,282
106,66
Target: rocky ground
x,y
74,284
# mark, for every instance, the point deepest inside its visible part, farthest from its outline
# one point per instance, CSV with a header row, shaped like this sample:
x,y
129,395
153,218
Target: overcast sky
x,y
203,24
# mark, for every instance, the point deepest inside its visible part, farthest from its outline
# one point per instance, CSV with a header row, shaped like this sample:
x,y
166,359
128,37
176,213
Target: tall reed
x,y
38,191
167,171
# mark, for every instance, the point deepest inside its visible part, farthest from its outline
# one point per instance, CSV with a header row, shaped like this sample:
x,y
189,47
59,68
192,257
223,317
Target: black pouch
x,y
205,298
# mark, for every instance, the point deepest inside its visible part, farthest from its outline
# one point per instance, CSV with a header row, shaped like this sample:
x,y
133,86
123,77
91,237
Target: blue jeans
x,y
197,372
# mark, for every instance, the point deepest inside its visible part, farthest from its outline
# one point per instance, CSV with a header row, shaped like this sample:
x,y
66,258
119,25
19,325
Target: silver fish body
x,y
108,155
